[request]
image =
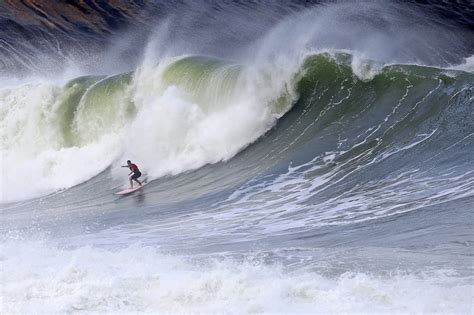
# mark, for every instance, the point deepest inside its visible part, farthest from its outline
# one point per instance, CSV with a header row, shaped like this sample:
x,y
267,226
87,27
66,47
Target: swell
x,y
344,130
351,150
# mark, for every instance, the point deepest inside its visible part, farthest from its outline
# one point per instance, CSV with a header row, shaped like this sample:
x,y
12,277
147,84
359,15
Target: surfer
x,y
134,174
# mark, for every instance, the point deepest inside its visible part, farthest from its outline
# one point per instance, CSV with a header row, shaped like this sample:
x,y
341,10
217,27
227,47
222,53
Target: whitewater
x,y
298,158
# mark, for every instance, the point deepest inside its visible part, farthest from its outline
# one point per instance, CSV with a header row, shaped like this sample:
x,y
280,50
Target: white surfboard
x,y
129,190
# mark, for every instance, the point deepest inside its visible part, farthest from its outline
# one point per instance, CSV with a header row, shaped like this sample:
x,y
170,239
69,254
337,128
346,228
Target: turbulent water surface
x,y
299,157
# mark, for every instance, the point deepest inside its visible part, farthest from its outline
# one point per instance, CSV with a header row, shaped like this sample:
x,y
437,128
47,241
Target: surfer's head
x,y
129,162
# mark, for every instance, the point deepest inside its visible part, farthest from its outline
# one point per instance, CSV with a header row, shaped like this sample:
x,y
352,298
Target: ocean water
x,y
299,157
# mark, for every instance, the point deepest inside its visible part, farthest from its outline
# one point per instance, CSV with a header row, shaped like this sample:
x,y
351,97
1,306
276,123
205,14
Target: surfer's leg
x,y
131,182
135,177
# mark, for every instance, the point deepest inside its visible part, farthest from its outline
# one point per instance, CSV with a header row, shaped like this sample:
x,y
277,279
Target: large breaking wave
x,y
187,112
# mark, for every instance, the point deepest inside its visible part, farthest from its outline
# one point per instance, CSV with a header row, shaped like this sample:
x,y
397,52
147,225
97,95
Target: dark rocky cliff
x,y
32,29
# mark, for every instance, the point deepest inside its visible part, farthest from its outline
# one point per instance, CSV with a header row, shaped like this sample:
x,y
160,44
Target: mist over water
x,y
299,158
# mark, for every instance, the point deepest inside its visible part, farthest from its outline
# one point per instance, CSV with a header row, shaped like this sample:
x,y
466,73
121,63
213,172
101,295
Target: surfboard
x,y
129,190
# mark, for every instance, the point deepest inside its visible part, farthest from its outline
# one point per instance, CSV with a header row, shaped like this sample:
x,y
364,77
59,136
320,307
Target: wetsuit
x,y
135,170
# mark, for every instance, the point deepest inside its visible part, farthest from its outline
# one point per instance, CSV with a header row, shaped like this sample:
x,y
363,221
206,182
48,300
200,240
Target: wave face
x,y
178,116
307,163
